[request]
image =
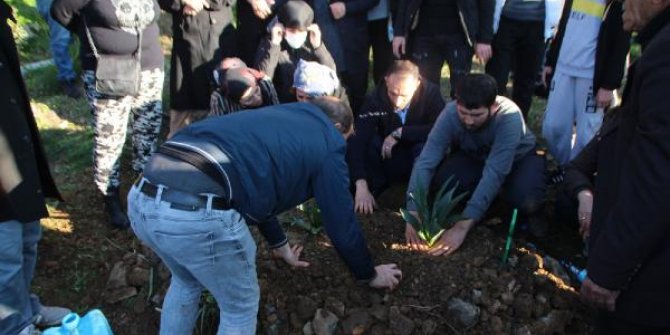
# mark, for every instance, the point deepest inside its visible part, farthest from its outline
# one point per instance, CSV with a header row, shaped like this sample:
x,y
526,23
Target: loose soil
x,y
78,253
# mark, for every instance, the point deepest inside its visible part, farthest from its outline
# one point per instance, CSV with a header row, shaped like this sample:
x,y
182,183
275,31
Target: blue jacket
x,y
280,156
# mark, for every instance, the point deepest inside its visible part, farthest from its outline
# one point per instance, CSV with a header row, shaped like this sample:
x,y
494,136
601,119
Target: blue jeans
x,y
59,41
18,254
204,249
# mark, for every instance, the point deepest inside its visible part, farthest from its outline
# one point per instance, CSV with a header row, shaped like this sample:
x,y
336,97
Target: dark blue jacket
x,y
280,156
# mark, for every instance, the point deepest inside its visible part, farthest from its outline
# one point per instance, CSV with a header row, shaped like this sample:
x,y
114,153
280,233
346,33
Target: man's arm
x,y
616,48
638,221
439,140
324,57
273,233
331,190
267,57
485,29
497,166
365,127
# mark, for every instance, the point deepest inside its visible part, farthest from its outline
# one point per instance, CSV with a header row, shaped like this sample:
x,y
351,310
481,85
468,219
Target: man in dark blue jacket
x,y
212,178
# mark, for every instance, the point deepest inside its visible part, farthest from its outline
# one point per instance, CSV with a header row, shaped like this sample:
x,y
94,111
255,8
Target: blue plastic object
x,y
93,323
580,274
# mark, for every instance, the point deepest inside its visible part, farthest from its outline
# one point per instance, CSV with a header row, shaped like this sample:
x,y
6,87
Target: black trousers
x,y
381,173
524,188
518,46
382,53
430,52
607,324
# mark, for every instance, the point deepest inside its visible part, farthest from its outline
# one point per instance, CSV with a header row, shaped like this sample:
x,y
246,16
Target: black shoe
x,y
71,89
117,216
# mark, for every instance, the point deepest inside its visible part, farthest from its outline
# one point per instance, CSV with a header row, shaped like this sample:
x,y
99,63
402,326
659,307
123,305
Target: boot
x,y
117,216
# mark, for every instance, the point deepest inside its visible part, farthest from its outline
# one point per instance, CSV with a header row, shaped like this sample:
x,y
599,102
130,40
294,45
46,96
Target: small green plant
x,y
433,217
311,220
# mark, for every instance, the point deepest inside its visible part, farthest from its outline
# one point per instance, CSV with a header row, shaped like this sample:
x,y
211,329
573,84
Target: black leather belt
x,y
183,200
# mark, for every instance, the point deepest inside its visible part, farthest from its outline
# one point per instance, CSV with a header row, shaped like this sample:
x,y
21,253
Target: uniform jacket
x,y
25,179
630,234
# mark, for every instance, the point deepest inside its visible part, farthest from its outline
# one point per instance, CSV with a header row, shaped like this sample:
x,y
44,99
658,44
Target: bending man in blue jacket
x,y
211,179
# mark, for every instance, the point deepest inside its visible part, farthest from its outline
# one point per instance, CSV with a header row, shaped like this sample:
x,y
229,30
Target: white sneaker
x,y
50,316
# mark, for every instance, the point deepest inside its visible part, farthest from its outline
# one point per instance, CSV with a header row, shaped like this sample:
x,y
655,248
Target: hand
x,y
604,98
192,7
584,212
387,276
277,33
314,35
545,75
398,46
189,11
387,146
452,239
364,202
483,52
261,8
290,255
338,9
597,296
414,242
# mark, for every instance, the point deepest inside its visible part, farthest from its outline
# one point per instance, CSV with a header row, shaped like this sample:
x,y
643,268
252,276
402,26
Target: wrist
x,y
397,133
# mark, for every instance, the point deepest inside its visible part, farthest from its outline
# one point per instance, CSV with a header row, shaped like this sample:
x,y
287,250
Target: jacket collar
x,y
653,27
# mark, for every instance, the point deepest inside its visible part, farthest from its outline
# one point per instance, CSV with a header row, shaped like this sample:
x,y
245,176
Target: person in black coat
x,y
25,182
628,272
203,34
293,36
390,131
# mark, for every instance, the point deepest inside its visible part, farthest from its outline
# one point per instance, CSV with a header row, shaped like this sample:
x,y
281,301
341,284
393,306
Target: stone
x,y
163,272
524,330
325,322
117,277
139,306
138,276
496,324
379,312
336,306
400,324
428,327
357,322
555,322
120,294
523,305
306,307
307,329
463,313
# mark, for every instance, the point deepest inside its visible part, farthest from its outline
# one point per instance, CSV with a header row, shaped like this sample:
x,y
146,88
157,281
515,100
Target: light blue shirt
x,y
403,114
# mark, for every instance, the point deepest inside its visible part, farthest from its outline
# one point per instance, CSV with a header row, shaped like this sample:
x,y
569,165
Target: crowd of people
x,y
274,109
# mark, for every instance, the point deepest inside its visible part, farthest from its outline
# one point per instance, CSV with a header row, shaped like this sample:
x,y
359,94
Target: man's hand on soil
x,y
598,296
364,201
290,255
452,239
414,242
388,276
